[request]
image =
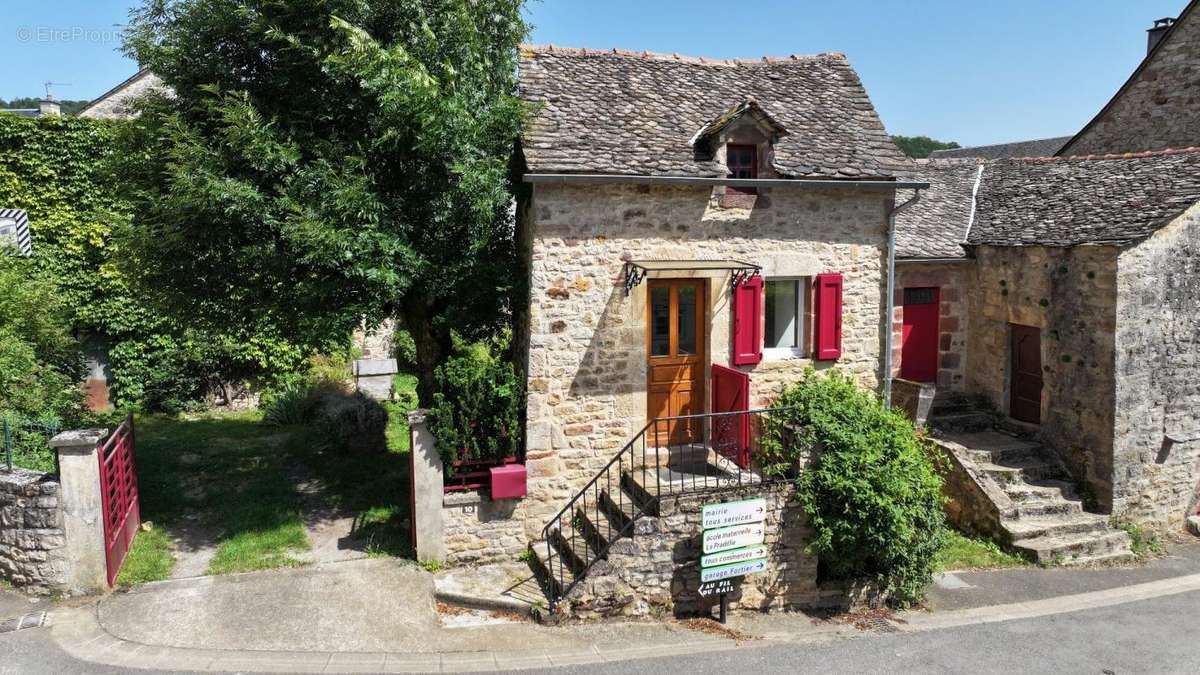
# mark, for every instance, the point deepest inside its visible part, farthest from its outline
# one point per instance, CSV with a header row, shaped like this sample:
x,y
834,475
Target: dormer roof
x,y
748,108
636,113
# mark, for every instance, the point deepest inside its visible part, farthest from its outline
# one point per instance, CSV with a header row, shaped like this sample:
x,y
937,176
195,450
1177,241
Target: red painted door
x,y
919,336
1025,401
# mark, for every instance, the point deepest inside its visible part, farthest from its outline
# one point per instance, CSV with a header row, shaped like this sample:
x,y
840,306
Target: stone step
x,y
576,548
1045,489
620,506
1007,456
1022,472
968,421
1076,549
1047,507
1037,527
548,568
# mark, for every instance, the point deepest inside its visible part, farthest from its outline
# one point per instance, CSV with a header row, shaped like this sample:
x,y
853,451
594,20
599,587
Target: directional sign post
x,y
733,547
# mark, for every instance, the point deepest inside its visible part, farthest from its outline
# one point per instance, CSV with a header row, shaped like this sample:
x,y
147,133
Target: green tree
x,y
322,161
919,147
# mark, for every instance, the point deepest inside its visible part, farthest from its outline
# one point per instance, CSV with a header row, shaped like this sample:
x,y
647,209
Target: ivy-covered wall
x,y
56,169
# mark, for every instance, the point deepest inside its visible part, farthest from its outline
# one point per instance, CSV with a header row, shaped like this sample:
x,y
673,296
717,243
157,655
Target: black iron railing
x,y
670,456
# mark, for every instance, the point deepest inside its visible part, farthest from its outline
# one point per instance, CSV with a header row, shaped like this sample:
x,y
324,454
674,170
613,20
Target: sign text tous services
x,y
736,536
734,513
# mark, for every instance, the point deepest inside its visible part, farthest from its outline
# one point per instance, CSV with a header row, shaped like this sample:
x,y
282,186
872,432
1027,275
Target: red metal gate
x,y
119,491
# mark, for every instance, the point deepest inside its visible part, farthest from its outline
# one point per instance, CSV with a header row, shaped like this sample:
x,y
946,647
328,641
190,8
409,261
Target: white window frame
x,y
803,288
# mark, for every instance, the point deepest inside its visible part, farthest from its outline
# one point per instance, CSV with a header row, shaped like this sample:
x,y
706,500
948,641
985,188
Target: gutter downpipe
x,y
889,337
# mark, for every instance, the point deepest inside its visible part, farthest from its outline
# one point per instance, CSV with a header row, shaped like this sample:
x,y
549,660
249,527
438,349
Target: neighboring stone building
x,y
1042,147
1159,106
116,103
1091,264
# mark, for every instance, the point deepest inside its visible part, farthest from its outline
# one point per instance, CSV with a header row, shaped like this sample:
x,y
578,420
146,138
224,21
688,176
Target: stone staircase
x,y
1041,514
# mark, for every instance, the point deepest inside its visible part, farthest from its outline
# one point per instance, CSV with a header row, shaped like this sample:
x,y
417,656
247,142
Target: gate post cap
x,y
417,416
85,439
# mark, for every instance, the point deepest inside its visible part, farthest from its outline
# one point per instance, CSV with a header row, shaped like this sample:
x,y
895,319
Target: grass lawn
x,y
237,477
965,553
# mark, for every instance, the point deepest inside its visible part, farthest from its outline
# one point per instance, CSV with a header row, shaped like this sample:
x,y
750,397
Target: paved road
x,y
1153,636
1150,636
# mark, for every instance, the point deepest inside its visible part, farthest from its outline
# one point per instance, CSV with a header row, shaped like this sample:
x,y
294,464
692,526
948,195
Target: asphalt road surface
x,y
1160,635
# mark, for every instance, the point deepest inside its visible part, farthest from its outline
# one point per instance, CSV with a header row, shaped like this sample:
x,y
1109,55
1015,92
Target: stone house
x,y
641,250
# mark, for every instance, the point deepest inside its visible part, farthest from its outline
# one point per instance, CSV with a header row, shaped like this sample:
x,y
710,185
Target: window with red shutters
x,y
742,162
827,334
747,322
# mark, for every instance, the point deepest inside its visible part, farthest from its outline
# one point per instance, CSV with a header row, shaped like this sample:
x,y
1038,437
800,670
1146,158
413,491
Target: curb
x,y
489,604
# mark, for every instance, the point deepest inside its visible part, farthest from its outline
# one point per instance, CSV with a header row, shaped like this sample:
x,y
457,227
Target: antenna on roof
x,y
47,85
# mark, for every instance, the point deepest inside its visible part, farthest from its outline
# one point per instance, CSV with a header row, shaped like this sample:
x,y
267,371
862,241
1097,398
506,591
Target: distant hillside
x,y
68,107
919,147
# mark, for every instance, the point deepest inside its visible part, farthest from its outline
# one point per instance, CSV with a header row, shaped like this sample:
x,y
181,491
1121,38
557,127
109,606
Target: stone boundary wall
x,y
657,571
478,530
914,398
33,555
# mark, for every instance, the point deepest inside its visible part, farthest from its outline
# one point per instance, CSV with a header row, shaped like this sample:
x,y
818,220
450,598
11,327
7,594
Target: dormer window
x,y
742,162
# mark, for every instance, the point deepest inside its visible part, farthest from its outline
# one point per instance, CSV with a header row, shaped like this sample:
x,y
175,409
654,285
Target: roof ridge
x,y
680,58
1115,155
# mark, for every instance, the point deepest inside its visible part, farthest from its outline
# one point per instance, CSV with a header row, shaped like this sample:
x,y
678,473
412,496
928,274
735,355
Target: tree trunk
x,y
430,347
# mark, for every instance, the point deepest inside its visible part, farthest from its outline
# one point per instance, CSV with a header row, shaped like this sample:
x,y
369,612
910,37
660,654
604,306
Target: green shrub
x,y
476,412
287,404
872,492
349,423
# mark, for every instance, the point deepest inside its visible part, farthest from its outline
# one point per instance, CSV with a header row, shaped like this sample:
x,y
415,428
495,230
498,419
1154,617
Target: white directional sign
x,y
734,556
737,536
734,570
734,513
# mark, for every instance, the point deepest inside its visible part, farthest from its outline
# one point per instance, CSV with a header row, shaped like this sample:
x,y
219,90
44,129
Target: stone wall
x,y
478,530
1157,452
1159,108
32,541
1070,294
951,279
586,358
657,571
116,104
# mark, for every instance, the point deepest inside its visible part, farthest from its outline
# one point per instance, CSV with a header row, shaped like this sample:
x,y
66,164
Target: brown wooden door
x,y
675,349
1025,348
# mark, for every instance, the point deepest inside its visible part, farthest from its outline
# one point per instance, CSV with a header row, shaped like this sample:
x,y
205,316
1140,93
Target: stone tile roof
x,y
633,113
936,225
1044,147
1066,201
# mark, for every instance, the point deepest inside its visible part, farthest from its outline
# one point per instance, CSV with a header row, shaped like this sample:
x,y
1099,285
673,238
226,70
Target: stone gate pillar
x,y
427,492
82,508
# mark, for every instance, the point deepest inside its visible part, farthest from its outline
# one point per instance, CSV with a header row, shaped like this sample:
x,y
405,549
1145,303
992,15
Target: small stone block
x,y
1193,525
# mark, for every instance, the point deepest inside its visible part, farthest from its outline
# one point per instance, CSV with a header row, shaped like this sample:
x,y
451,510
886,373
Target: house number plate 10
x,y
738,536
734,513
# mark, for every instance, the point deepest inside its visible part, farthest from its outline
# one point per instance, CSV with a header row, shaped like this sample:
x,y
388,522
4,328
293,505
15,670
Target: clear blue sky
x,y
973,71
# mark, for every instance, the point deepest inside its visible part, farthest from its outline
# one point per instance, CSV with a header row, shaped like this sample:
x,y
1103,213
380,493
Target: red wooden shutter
x,y
747,322
827,338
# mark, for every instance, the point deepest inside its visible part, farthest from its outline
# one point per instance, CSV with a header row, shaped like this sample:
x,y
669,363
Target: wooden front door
x,y
919,336
1025,349
675,349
